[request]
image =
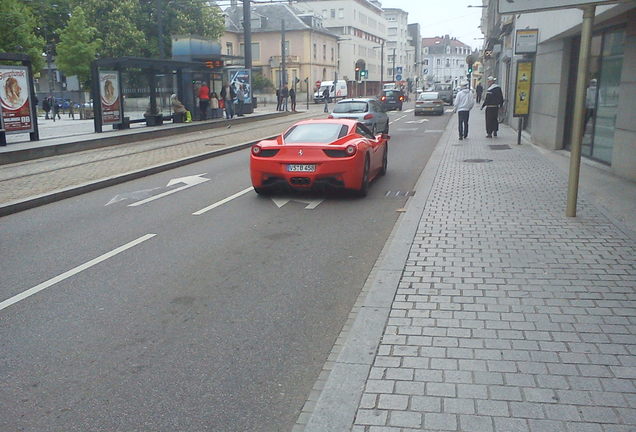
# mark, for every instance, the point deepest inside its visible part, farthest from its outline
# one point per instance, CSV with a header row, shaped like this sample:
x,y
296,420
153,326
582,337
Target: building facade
x,y
310,49
398,51
444,60
361,30
609,127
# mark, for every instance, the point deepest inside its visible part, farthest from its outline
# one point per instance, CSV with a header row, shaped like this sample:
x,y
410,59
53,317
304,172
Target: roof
x,y
437,41
268,18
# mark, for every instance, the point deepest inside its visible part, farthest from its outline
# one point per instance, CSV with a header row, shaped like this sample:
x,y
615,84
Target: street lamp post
x,y
393,73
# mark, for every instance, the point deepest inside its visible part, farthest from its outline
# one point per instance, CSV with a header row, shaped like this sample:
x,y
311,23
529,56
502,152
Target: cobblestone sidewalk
x,y
508,316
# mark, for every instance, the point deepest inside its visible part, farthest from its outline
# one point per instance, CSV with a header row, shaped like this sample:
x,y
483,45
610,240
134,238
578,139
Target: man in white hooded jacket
x,y
464,102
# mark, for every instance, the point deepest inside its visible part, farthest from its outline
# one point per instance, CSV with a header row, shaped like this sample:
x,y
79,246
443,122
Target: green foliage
x,y
18,32
118,26
260,82
77,47
50,15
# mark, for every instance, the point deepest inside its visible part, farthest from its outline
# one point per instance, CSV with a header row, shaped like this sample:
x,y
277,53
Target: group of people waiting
x,y
283,94
493,101
54,106
216,104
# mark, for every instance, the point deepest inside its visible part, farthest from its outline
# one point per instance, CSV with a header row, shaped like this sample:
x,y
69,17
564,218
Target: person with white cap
x,y
492,102
464,102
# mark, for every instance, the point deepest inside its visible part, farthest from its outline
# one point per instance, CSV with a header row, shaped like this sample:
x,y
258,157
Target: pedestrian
x,y
464,102
204,100
590,102
492,102
178,109
71,109
279,100
240,98
227,96
325,96
292,97
285,96
56,109
46,106
478,91
214,105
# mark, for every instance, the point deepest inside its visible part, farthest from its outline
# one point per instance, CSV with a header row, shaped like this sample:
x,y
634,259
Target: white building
x,y
444,60
361,27
398,52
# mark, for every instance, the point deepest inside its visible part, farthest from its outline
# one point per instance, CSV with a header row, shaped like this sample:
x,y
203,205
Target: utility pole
x,y
247,50
393,64
283,72
162,53
382,65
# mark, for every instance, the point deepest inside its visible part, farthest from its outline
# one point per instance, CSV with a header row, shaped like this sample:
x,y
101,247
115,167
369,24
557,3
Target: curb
x,y
337,404
18,206
127,137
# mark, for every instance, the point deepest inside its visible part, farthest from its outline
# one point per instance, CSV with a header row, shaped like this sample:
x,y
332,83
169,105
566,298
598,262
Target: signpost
x,y
526,41
517,6
523,90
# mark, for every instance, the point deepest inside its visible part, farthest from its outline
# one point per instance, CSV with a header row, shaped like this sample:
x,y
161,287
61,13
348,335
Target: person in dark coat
x,y
279,99
46,106
478,91
284,94
492,102
292,97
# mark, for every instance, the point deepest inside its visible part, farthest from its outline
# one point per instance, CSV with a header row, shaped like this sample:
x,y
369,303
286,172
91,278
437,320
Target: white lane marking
x,y
409,110
311,204
189,182
68,274
223,201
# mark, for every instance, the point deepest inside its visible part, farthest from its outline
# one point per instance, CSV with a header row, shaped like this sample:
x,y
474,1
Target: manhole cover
x,y
499,147
477,160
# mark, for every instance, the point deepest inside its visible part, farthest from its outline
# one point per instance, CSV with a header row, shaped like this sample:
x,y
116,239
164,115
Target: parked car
x,y
337,91
429,102
318,155
367,111
445,92
392,99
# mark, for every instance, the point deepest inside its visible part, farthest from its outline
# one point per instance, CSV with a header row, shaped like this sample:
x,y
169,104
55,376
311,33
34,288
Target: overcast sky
x,y
441,17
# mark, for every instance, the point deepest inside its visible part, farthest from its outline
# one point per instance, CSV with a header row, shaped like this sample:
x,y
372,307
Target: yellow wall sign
x,y
523,89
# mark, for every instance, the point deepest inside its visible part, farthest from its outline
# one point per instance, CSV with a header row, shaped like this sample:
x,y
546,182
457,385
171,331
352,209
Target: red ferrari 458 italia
x,y
320,155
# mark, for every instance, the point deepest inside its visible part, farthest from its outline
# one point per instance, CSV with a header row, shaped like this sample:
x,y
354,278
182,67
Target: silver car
x,y
365,110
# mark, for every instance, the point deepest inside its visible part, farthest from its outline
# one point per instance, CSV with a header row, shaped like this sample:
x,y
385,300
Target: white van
x,y
389,86
338,91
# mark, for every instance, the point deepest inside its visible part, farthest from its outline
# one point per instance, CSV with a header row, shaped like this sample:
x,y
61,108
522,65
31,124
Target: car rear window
x,y
315,133
392,93
427,96
351,107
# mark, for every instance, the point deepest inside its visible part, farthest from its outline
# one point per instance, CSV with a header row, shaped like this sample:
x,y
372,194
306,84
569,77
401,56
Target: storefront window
x,y
601,99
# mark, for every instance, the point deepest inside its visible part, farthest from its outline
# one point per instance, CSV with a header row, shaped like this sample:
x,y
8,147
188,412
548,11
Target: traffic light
x,y
470,69
363,74
357,73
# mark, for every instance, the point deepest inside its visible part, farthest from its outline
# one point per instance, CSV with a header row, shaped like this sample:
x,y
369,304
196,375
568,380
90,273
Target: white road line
x,y
36,289
223,201
409,110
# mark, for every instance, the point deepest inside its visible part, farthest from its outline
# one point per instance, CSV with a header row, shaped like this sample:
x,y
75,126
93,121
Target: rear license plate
x,y
301,167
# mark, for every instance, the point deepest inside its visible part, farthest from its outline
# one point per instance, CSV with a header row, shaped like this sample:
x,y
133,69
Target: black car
x,y
392,99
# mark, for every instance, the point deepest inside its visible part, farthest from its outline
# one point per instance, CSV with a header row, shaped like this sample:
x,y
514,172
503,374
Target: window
x,y
350,107
333,13
230,48
332,54
364,131
256,50
315,51
341,13
324,52
313,133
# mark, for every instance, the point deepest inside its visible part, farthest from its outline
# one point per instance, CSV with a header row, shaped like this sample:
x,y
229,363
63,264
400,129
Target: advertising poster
x,y
526,41
15,98
110,97
523,88
243,77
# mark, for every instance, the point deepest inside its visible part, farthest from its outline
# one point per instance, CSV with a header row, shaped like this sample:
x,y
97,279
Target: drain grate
x,y
477,160
499,147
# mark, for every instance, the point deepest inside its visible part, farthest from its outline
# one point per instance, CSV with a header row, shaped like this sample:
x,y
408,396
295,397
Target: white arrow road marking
x,y
36,289
311,204
131,196
420,121
189,182
409,110
433,131
223,201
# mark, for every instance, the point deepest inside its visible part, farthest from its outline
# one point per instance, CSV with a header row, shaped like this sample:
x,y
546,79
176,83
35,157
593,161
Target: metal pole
x,y
579,109
247,50
519,130
393,64
162,53
282,54
382,66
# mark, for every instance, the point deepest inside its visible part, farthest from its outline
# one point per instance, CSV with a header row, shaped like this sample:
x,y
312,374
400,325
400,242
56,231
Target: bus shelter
x,y
128,90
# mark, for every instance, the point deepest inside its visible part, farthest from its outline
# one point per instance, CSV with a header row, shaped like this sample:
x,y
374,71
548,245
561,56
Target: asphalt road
x,y
145,316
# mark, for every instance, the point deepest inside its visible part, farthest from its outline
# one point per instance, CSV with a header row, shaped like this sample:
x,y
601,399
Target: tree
x,y
78,46
260,82
18,34
118,25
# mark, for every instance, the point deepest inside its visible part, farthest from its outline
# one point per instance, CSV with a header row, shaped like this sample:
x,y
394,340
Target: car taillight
x,y
256,150
401,98
351,150
383,98
264,152
329,116
368,116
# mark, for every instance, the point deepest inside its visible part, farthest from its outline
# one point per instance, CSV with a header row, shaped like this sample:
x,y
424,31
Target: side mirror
x,y
385,136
